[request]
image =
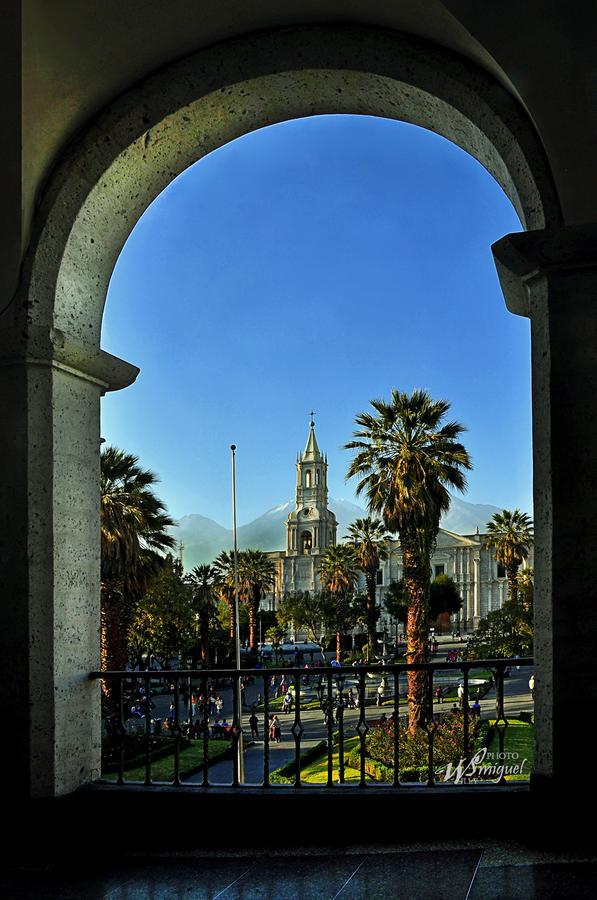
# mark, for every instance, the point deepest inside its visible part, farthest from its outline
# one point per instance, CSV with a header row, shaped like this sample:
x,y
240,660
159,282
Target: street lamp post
x,y
239,698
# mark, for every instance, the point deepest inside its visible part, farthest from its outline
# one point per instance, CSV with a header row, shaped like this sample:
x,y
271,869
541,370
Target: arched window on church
x,y
308,478
317,477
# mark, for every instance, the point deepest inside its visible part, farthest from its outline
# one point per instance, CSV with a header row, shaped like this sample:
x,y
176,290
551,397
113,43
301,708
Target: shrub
x,y
448,744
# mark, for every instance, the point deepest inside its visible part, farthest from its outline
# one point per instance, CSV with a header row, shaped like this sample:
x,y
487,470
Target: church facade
x,y
311,528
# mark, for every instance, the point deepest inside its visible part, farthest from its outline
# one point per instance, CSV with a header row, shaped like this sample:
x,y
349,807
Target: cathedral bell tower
x,y
311,527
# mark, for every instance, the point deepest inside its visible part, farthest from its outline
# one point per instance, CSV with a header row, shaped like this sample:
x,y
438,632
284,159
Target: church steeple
x,y
311,528
312,452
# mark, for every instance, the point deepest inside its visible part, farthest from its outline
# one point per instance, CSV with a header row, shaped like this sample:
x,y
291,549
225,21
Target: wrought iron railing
x,y
352,700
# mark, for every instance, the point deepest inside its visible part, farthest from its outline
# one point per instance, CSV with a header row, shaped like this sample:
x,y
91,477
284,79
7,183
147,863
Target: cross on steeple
x,y
312,423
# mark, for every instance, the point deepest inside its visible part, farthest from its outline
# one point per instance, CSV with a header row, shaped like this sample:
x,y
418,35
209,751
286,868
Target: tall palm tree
x,y
338,573
134,536
510,534
224,584
406,460
201,581
258,575
369,539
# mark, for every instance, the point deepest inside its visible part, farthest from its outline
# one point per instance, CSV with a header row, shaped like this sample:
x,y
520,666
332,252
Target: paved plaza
x,y
517,698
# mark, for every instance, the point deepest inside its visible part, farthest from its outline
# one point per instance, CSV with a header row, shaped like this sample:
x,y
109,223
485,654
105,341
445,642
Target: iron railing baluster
x,y
205,735
121,731
190,701
340,708
362,729
148,729
330,717
236,727
501,721
297,730
465,714
430,729
396,782
177,731
266,725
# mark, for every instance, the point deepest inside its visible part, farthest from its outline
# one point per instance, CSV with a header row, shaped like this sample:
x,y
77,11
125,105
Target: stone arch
x,y
50,334
132,151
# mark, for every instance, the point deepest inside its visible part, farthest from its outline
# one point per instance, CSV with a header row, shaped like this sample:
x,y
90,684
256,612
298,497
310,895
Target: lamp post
x,y
239,699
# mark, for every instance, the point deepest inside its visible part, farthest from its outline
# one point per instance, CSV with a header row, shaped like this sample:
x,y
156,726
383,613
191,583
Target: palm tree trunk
x,y
232,608
340,617
371,611
113,649
416,582
204,632
511,573
252,610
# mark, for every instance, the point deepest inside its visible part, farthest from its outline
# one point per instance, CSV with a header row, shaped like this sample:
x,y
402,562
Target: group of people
x,y
275,729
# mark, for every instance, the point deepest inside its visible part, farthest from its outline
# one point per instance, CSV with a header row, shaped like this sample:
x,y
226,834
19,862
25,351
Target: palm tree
x,y
201,581
510,535
368,538
258,575
406,459
338,573
133,540
224,582
133,524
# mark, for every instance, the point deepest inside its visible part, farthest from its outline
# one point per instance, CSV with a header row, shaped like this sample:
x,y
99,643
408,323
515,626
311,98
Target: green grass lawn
x,y
519,738
316,772
191,760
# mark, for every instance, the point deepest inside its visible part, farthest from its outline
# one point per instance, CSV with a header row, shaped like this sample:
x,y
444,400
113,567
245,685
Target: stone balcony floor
x,y
440,871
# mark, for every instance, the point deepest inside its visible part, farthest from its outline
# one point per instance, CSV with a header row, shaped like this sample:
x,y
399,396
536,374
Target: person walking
x,y
254,725
219,705
379,696
532,685
461,695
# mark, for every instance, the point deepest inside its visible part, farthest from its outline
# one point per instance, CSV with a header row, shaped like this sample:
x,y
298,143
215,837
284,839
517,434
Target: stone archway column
x,y
50,392
551,276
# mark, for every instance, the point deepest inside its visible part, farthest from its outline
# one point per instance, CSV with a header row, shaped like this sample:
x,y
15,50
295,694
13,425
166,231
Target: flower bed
x,y
413,751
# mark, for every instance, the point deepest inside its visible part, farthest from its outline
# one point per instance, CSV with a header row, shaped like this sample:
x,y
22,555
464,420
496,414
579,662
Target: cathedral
x,y
311,528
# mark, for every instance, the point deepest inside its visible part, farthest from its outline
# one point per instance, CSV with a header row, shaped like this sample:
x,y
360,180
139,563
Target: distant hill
x,y
204,538
465,518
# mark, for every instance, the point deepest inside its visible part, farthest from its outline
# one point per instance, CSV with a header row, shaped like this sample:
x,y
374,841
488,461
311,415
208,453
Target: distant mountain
x,y
203,538
465,518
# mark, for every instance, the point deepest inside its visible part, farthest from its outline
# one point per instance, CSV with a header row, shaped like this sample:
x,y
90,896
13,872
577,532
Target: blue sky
x,y
315,264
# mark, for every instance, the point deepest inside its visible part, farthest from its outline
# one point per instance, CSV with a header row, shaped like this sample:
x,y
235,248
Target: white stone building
x,y
481,581
311,528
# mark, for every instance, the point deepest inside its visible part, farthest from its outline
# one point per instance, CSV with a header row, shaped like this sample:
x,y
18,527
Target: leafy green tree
x,y
258,575
134,538
507,631
526,587
339,574
164,620
314,613
369,540
201,581
396,601
406,460
444,597
510,534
